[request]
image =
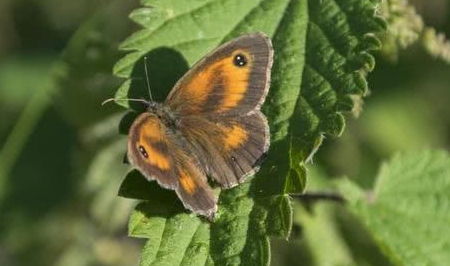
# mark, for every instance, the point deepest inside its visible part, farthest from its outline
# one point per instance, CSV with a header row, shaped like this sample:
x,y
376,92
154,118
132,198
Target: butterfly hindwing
x,y
193,189
160,155
233,79
229,148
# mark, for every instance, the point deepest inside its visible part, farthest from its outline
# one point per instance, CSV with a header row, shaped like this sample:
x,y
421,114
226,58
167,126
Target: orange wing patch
x,y
235,137
151,133
237,81
187,183
151,129
233,79
198,88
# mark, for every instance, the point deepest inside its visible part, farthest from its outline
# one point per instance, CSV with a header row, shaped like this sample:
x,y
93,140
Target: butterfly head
x,y
164,113
152,106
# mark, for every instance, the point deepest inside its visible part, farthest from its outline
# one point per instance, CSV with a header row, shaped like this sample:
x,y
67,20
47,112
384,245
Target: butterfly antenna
x,y
146,77
124,99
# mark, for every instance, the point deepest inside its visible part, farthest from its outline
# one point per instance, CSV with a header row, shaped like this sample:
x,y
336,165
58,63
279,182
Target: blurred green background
x,y
60,151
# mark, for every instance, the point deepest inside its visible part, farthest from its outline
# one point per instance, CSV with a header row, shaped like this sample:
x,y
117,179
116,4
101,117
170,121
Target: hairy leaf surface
x,y
321,59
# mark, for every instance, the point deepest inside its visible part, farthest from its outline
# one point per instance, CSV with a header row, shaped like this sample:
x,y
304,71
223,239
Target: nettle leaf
x,y
321,59
83,75
407,210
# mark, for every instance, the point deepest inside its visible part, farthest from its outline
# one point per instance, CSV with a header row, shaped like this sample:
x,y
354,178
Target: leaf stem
x,y
313,196
17,138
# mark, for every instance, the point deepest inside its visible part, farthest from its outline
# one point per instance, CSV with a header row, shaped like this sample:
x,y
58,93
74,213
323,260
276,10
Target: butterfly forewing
x,y
232,80
160,155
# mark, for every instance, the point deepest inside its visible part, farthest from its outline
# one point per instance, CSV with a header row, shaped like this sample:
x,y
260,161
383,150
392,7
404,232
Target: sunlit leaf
x,y
407,210
321,60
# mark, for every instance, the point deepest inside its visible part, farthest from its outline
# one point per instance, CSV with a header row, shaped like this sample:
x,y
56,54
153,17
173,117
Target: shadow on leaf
x,y
165,67
163,202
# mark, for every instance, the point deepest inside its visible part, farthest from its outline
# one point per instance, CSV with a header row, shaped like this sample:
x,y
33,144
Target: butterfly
x,y
210,125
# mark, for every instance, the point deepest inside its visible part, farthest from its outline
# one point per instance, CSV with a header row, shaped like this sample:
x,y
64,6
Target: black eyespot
x,y
143,151
233,158
240,60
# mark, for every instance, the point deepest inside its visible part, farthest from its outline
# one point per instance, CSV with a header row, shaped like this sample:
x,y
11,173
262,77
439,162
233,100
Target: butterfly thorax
x,y
163,112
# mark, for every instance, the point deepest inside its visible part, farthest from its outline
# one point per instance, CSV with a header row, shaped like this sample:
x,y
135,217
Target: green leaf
x,y
321,60
21,131
322,236
320,230
84,71
330,234
407,210
101,182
